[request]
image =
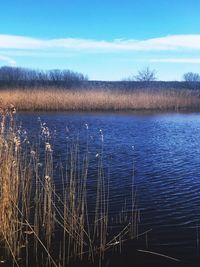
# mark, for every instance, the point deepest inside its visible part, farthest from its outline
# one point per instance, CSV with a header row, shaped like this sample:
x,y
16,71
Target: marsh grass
x,y
87,100
43,227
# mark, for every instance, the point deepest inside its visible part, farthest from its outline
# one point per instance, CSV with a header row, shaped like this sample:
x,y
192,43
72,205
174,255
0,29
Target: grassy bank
x,y
91,100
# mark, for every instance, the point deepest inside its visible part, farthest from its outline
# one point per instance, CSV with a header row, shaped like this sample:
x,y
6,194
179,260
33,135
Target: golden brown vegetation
x,y
42,226
49,99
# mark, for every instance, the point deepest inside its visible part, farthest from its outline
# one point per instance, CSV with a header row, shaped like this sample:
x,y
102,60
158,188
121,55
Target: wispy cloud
x,y
167,43
8,60
177,60
12,46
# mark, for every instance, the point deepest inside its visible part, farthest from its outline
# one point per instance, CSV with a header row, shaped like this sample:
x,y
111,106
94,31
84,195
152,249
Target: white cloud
x,y
177,60
167,43
8,60
13,45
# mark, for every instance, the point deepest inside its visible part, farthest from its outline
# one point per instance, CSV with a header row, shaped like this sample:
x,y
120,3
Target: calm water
x,y
166,158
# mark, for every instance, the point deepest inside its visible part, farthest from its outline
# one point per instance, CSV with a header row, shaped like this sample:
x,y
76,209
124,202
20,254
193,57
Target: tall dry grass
x,y
49,99
40,226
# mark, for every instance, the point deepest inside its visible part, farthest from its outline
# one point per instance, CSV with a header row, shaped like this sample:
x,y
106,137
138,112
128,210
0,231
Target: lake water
x,y
165,152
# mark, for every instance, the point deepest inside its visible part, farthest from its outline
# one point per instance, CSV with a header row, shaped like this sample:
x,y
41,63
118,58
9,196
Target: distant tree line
x,y
145,78
17,76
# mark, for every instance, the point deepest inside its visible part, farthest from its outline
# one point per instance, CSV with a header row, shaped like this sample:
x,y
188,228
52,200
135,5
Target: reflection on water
x,y
165,149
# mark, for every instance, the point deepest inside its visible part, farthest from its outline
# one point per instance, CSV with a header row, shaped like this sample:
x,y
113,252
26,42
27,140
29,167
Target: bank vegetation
x,y
54,99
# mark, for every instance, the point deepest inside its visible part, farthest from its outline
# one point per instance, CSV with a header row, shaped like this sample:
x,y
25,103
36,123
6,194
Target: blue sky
x,y
108,40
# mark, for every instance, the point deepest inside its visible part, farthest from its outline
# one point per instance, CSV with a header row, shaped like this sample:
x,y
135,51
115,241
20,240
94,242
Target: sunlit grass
x,y
91,100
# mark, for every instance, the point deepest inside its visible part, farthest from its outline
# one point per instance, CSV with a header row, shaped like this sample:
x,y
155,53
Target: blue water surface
x,y
164,152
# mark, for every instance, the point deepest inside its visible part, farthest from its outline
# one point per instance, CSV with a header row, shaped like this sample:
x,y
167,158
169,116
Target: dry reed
x,y
63,100
35,220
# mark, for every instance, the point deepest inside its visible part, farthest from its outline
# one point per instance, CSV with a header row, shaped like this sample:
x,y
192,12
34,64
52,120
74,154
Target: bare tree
x,y
146,75
191,77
